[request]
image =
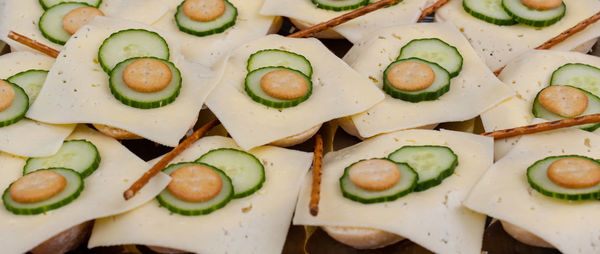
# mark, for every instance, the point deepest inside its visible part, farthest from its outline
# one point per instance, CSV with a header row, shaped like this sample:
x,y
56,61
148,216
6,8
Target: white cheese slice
x,y
472,92
30,138
22,16
102,195
338,91
254,224
208,50
504,193
77,89
406,12
498,45
434,219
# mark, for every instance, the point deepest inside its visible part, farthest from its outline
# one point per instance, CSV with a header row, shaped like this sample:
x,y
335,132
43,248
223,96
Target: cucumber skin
x,y
20,116
485,18
101,61
45,7
380,199
572,197
414,98
34,211
48,36
278,105
87,172
590,128
453,74
535,23
343,8
440,178
287,52
209,32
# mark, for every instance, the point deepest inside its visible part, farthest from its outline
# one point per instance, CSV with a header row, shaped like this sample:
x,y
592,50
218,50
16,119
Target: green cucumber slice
x,y
71,191
537,176
31,81
436,51
175,205
79,155
50,23
339,5
277,57
432,163
199,28
375,1
593,108
46,4
579,75
245,170
440,86
532,17
17,109
253,89
406,185
136,99
130,43
490,11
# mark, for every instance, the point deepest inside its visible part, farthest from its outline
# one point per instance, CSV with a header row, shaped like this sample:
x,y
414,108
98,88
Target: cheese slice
x,y
472,92
27,137
211,49
504,193
434,219
22,16
254,224
406,12
77,90
102,195
498,45
338,91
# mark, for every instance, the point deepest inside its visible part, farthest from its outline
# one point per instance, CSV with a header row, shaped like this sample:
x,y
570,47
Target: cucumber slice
x,y
406,185
537,176
440,86
80,155
253,89
436,51
532,17
31,81
579,75
277,57
375,1
432,163
246,172
593,108
339,5
17,109
51,22
71,191
130,43
136,99
490,11
175,205
46,4
198,28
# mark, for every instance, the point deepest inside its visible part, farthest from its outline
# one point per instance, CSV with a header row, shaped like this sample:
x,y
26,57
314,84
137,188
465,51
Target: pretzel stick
x,y
432,9
160,165
540,127
33,44
316,185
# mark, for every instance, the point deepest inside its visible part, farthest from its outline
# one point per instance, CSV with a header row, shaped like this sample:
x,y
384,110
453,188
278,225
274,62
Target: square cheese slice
x,y
30,138
102,194
406,12
254,224
434,218
338,91
498,45
472,92
77,89
504,193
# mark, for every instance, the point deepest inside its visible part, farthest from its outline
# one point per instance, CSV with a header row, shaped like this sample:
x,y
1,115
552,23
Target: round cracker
x,y
542,4
204,10
147,75
563,100
7,95
284,84
37,186
575,173
411,76
375,174
195,183
79,17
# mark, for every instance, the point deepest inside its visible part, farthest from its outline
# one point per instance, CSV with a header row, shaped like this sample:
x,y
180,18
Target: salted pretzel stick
x,y
315,193
540,127
160,165
432,9
33,44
